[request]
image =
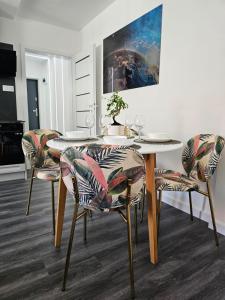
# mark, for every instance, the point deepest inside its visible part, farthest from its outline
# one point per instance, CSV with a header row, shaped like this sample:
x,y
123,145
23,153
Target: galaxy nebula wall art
x,y
131,56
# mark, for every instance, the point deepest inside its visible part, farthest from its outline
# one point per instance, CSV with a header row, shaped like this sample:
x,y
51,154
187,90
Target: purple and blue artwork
x,y
131,56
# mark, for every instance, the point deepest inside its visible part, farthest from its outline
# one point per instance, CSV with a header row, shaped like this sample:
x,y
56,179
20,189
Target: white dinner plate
x,y
155,140
66,138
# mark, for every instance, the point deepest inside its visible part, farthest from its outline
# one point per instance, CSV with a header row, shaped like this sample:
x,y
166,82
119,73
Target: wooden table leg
x,y
60,212
150,160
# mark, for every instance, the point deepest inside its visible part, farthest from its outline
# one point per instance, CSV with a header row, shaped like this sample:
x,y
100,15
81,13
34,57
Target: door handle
x,y
36,112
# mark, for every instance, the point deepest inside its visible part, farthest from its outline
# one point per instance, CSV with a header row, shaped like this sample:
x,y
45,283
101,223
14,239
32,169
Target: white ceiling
x,y
71,14
9,8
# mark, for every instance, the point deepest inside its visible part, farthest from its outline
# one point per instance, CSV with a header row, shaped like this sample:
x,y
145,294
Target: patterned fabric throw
x,y
102,173
34,144
201,155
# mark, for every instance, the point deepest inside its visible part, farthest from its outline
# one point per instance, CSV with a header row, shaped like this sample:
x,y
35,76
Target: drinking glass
x,y
103,122
129,124
139,123
90,121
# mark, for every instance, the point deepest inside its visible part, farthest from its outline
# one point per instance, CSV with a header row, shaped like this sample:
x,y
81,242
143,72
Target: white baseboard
x,y
184,206
12,172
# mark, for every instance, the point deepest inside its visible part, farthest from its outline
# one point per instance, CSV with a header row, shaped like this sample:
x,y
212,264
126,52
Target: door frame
x,y
39,51
38,83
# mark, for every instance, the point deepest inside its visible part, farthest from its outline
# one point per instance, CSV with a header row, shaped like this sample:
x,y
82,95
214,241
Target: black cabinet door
x,y
10,149
7,101
10,144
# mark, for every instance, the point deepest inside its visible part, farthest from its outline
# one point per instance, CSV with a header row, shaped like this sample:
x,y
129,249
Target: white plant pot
x,y
116,129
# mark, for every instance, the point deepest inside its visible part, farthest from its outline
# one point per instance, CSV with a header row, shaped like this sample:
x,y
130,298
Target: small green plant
x,y
114,106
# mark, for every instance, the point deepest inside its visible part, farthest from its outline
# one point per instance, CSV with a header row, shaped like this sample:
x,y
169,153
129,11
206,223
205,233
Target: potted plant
x,y
114,106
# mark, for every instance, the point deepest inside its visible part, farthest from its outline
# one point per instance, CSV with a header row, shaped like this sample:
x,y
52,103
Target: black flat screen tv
x,y
7,63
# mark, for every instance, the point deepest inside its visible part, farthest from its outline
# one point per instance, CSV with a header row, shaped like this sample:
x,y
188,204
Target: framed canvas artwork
x,y
131,56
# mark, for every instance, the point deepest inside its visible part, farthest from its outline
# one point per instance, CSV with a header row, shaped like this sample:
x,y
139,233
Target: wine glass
x,y
90,121
139,123
129,124
103,122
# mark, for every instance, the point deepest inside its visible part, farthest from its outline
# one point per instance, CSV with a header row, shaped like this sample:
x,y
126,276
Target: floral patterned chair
x,y
44,160
200,158
105,178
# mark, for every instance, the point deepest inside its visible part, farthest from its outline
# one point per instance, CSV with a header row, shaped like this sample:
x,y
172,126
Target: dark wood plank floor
x,y
190,265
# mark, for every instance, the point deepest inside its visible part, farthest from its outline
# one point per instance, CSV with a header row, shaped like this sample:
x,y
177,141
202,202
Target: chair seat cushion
x,y
169,180
49,174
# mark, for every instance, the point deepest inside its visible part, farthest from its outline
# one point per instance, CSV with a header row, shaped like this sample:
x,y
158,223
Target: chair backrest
x,y
102,173
34,144
201,155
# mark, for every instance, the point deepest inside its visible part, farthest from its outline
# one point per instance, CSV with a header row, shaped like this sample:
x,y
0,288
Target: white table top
x,y
145,148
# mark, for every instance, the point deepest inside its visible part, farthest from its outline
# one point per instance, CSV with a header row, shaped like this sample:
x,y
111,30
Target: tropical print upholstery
x,y
173,181
34,144
102,173
201,155
200,158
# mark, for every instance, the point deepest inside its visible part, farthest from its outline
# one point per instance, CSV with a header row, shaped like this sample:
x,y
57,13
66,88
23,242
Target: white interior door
x,y
85,88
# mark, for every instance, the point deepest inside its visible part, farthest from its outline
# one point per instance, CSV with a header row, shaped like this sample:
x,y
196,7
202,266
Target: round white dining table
x,y
149,151
145,148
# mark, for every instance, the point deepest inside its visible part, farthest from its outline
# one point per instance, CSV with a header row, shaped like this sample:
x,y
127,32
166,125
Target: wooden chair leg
x,y
212,214
53,207
76,206
130,252
190,203
30,191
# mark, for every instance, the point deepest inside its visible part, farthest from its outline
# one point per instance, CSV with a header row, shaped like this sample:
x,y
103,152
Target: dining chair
x,y
44,161
103,178
131,133
199,158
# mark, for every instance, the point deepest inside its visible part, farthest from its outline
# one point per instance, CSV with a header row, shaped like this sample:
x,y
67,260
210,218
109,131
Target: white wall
x,y
35,36
190,96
